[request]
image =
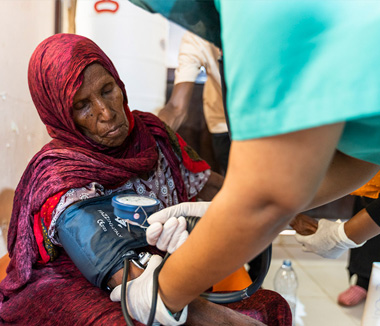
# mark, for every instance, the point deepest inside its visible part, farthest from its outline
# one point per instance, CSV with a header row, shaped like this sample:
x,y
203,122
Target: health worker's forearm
x,y
361,227
268,180
216,248
345,175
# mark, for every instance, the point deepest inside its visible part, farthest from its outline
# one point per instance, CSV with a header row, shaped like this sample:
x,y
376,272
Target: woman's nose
x,y
103,110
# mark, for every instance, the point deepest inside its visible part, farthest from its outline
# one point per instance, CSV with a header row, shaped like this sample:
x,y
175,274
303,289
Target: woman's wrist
x,y
116,279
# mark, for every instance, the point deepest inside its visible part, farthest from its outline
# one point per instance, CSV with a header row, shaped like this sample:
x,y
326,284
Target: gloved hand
x,y
329,241
139,297
167,230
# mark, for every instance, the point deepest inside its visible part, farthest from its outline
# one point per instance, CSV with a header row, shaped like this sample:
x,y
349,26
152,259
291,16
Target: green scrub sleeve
x,y
293,65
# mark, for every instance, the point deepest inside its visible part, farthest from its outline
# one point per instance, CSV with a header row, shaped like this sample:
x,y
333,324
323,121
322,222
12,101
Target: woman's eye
x,y
108,89
80,106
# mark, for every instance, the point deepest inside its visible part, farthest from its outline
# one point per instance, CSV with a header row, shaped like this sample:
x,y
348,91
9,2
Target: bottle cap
x,y
287,262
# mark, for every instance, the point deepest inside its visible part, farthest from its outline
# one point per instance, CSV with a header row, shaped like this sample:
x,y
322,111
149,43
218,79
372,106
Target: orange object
x,y
371,189
4,261
237,281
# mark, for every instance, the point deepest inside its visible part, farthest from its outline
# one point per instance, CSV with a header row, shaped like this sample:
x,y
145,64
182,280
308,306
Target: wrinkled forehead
x,y
56,72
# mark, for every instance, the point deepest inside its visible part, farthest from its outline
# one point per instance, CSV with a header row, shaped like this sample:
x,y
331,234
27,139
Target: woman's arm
x,y
212,186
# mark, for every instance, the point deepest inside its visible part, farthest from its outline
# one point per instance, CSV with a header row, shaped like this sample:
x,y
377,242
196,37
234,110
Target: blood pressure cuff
x,y
96,240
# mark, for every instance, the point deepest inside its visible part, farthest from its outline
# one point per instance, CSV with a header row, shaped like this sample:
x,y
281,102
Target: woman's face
x,y
98,109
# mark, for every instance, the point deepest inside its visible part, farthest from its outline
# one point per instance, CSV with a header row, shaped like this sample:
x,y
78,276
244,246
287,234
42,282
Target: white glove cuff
x,y
346,240
165,317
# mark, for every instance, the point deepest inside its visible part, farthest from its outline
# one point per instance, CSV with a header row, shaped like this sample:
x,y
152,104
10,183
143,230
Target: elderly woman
x,y
99,147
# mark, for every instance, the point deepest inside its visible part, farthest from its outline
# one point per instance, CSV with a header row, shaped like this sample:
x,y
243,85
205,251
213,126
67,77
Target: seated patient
x,y
98,147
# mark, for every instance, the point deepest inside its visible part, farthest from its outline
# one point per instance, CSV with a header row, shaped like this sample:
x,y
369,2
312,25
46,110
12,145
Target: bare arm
x,y
175,111
201,311
268,181
359,228
212,186
345,175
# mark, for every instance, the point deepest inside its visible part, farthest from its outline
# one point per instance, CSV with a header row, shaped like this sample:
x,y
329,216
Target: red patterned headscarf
x,y
72,160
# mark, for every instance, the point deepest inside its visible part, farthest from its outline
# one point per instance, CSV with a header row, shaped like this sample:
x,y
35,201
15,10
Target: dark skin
x,y
99,114
304,224
98,108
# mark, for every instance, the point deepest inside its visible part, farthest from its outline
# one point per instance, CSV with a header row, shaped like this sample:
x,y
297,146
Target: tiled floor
x,y
320,281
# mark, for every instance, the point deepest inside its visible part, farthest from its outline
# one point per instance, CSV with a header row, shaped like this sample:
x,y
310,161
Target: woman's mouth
x,y
113,131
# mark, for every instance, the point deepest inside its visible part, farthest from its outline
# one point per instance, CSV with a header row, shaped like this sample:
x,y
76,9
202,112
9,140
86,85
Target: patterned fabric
x,y
42,221
80,303
72,160
160,185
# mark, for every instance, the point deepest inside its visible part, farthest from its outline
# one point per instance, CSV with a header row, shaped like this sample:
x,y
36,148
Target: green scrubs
x,y
293,65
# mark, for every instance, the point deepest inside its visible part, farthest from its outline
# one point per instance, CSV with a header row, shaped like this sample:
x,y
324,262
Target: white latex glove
x,y
167,230
139,297
329,241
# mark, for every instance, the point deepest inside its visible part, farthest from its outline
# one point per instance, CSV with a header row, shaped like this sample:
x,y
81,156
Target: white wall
x,y
175,35
23,24
136,42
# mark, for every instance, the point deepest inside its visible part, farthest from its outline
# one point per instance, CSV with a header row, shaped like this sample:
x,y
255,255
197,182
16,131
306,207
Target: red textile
x,y
62,296
44,217
72,160
189,162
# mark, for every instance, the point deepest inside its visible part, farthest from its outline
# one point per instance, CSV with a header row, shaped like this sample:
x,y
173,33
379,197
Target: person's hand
x,y
329,241
139,298
167,230
304,224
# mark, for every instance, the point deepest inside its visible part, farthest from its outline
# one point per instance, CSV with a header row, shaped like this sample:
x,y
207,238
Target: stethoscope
x,y
142,261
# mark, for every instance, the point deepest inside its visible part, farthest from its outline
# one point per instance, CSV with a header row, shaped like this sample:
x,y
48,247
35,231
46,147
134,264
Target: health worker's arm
x,y
268,181
345,175
331,239
364,225
361,227
176,109
201,311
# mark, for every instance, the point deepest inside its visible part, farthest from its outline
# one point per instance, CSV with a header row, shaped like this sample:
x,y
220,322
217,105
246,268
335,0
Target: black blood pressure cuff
x,y
373,210
96,240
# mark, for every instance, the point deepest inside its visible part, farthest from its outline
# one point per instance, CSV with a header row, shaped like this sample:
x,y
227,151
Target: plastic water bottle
x,y
286,283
